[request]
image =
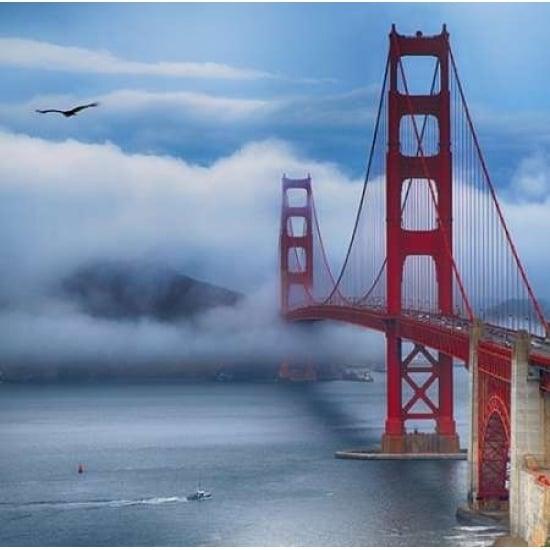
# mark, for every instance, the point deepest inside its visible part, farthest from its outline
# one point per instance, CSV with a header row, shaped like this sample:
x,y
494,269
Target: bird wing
x,y
42,111
80,107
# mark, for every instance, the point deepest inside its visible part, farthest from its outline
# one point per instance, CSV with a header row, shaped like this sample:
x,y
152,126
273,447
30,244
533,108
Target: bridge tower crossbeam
x,y
435,243
296,250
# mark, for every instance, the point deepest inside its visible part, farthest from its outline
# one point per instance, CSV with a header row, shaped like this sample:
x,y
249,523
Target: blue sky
x,y
203,107
316,67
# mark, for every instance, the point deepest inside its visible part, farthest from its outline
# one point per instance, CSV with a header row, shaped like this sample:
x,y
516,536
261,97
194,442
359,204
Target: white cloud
x,y
88,201
531,181
251,332
220,108
21,52
351,109
62,204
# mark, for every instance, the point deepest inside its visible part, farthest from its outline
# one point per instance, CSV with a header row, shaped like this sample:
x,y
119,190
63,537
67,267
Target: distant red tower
x,y
296,215
402,243
297,209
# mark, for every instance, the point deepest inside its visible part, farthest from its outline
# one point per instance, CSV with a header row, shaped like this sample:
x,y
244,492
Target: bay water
x,y
264,450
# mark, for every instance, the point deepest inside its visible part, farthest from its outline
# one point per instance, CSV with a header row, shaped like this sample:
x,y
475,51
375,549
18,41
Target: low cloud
x,y
64,204
218,223
251,333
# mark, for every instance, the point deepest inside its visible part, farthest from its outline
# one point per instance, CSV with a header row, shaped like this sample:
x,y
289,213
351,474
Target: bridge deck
x,y
445,334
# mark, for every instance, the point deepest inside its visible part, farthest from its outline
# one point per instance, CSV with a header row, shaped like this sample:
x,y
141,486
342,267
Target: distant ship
x,y
356,374
199,494
364,376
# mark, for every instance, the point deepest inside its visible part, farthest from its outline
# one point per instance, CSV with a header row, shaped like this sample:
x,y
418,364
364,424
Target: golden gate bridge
x,y
431,264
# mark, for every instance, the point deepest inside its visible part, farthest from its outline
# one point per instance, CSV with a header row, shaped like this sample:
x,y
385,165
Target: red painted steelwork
x,y
288,243
419,390
494,443
402,243
545,381
443,339
346,314
495,361
539,360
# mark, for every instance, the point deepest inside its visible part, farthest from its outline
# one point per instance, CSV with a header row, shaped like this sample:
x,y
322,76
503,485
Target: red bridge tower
x,y
433,376
296,261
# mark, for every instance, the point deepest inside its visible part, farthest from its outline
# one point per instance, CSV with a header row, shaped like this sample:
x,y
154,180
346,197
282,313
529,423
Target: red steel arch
x,y
494,445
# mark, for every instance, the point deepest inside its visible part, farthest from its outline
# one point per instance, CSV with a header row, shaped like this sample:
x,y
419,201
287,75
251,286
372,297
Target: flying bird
x,y
69,112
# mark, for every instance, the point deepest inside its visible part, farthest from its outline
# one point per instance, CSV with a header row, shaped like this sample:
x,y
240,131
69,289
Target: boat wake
x,y
96,503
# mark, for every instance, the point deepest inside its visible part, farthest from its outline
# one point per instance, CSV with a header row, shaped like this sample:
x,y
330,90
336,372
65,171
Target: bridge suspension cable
x,y
488,280
495,277
362,201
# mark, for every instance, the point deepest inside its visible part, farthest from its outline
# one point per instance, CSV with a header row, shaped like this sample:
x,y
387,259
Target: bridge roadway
x,y
449,335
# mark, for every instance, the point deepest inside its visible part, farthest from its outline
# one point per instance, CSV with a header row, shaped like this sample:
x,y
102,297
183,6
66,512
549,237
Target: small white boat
x,y
365,376
199,494
356,374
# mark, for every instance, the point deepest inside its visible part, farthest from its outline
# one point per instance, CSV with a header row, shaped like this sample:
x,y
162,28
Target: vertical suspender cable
x,y
534,301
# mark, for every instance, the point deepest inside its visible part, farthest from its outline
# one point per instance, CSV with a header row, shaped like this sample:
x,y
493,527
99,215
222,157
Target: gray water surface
x,y
265,451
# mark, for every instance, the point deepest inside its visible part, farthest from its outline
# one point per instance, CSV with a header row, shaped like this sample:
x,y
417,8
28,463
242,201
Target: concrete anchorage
x,y
529,450
529,480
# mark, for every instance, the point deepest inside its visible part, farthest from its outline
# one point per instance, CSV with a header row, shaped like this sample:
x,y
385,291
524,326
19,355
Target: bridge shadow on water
x,y
343,410
352,415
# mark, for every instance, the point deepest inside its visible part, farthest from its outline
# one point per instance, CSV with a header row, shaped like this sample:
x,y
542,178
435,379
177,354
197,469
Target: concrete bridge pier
x,y
529,450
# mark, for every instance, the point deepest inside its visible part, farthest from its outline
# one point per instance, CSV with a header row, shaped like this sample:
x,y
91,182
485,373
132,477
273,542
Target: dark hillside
x,y
121,290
